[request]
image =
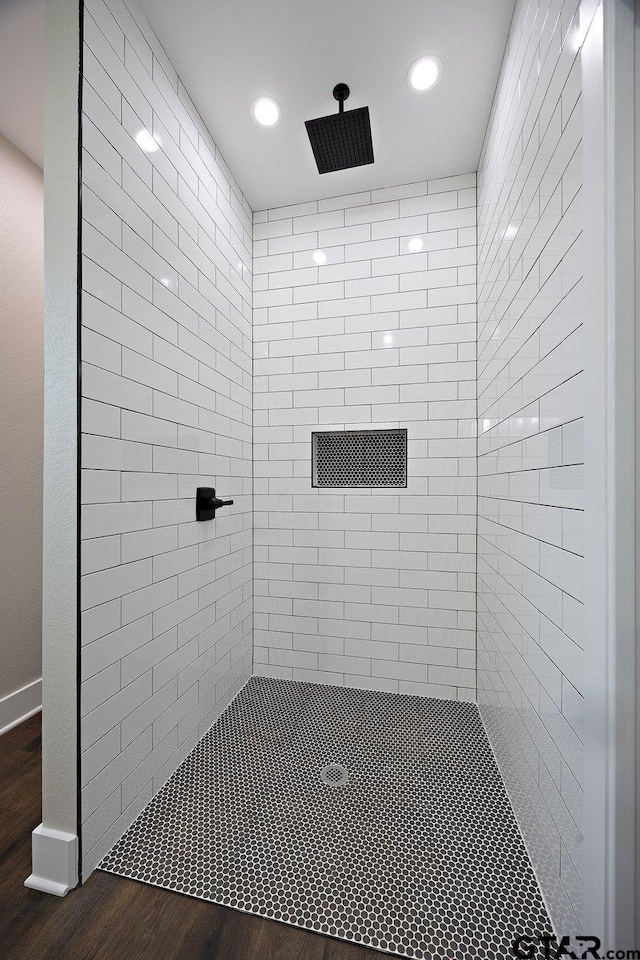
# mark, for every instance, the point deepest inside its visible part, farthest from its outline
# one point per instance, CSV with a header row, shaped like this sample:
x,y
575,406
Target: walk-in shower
x,y
330,614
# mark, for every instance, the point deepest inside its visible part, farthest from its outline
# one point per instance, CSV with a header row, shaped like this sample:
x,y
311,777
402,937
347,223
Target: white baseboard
x,y
20,705
54,861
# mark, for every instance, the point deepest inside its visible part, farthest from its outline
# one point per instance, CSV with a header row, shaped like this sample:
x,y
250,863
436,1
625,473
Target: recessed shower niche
x,y
359,458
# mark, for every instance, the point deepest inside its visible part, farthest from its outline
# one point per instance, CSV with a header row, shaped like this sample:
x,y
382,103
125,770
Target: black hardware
x,y
207,503
341,93
342,139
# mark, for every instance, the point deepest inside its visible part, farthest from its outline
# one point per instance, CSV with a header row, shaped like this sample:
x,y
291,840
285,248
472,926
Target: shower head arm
x,y
341,93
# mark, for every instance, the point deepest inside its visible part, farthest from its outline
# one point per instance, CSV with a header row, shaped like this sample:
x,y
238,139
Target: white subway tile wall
x,y
167,406
530,408
365,317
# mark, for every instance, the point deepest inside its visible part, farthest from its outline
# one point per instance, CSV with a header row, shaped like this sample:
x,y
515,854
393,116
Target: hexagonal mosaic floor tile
x,y
372,817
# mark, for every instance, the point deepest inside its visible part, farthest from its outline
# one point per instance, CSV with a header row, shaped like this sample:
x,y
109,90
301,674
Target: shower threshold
x,y
376,818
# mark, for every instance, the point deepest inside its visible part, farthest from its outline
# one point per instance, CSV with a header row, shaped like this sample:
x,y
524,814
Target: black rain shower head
x,y
342,139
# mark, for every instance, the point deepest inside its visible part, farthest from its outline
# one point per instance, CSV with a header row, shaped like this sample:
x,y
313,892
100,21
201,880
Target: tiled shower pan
x,y
372,817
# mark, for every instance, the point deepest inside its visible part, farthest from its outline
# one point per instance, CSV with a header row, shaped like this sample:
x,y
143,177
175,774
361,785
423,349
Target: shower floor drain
x,y
334,775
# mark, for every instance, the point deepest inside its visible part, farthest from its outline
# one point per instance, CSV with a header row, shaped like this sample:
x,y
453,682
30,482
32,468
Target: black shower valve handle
x,y
216,503
207,503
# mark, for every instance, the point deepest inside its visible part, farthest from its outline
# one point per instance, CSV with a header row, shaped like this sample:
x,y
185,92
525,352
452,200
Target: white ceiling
x,y
22,75
228,52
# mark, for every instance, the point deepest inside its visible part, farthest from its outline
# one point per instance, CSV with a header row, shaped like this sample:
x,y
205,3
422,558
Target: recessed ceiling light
x,y
424,73
319,257
510,232
147,141
415,245
265,111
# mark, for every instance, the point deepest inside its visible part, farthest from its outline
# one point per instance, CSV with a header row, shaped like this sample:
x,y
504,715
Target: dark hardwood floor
x,y
111,918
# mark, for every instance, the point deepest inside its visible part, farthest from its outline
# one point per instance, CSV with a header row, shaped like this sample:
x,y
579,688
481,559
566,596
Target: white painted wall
x,y
21,441
636,85
166,387
368,587
22,75
530,456
609,90
55,853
